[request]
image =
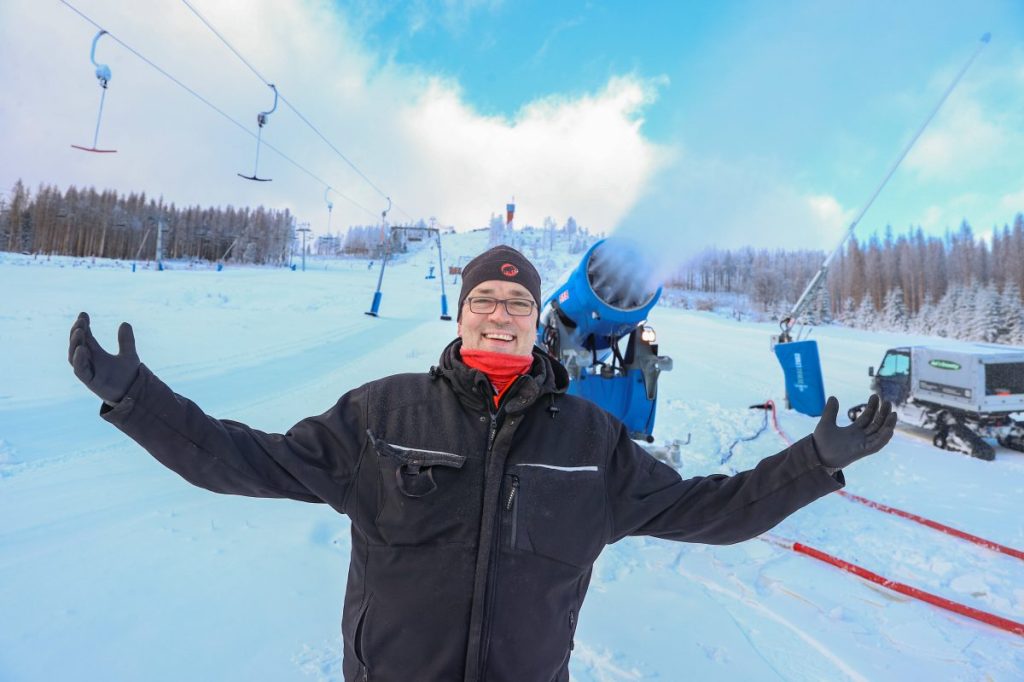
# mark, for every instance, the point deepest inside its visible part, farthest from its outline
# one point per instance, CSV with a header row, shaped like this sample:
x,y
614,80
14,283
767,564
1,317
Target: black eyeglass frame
x,y
504,301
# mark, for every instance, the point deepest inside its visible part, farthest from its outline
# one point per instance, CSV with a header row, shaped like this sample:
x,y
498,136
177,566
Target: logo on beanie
x,y
509,270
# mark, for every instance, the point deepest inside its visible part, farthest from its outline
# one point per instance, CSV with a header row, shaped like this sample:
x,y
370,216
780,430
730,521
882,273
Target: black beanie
x,y
501,263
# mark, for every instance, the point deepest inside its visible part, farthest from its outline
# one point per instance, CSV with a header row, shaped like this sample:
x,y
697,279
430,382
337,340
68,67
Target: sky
x,y
687,124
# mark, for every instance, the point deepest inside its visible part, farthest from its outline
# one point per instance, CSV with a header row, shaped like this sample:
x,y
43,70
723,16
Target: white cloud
x,y
1013,203
932,219
411,133
963,141
700,203
978,128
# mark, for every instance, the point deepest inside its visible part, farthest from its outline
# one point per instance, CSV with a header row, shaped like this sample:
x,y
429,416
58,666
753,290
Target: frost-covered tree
x,y
924,321
894,311
1013,312
764,282
987,323
865,316
847,312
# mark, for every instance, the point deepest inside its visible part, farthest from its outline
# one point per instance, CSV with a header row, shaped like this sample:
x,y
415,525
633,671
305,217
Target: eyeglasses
x,y
485,305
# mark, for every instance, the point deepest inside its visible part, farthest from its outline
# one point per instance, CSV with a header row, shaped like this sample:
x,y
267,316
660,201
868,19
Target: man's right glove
x,y
839,446
108,376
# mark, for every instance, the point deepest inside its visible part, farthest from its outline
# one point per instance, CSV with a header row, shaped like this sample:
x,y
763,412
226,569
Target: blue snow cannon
x,y
596,325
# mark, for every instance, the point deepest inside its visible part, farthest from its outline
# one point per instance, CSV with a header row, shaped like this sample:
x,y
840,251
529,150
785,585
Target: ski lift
x,y
261,119
103,76
330,207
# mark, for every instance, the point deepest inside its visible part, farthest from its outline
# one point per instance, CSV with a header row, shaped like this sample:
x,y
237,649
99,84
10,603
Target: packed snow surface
x,y
113,568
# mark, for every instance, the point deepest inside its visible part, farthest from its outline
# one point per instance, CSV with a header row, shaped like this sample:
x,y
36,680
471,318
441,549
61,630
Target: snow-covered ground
x,y
114,569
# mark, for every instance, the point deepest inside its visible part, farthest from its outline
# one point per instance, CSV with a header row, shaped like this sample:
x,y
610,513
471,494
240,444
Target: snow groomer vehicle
x,y
963,396
596,325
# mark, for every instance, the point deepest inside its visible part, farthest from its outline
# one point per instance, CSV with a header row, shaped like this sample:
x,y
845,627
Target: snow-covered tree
x,y
1013,312
987,323
894,311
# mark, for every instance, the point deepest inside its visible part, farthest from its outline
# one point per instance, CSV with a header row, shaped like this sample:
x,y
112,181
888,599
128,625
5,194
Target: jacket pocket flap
x,y
416,457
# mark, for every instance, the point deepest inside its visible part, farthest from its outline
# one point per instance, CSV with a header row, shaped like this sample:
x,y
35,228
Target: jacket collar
x,y
473,388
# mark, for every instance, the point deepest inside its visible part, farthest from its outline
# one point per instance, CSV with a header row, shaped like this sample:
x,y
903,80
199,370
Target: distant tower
x,y
510,212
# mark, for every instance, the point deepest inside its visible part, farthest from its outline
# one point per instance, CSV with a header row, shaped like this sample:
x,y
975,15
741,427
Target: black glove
x,y
840,446
108,376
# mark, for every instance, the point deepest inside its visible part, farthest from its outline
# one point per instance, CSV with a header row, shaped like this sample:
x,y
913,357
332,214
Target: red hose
x,y
933,599
942,528
927,597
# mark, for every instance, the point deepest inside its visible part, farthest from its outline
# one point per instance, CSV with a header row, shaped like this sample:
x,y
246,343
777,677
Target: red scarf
x,y
500,368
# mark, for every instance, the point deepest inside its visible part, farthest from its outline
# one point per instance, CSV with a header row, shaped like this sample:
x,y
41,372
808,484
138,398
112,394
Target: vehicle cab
x,y
892,382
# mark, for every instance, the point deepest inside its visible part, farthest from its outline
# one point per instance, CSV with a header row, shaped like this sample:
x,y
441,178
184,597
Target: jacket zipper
x,y
492,569
511,506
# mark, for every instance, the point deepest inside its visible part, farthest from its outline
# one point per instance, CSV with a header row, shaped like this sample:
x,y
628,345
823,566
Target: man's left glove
x,y
839,446
108,376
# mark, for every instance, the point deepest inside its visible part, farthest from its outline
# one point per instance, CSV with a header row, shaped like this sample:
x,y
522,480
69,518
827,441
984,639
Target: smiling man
x,y
480,493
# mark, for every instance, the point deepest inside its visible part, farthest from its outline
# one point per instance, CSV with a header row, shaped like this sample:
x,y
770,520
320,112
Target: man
x,y
480,494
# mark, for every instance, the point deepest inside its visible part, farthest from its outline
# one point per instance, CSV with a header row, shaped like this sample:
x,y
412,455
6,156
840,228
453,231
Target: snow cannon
x,y
595,324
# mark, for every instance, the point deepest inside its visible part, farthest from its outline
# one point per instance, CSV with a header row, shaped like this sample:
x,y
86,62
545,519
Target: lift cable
x,y
291,106
213,106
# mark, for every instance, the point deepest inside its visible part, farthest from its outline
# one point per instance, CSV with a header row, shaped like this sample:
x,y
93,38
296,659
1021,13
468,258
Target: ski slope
x,y
114,569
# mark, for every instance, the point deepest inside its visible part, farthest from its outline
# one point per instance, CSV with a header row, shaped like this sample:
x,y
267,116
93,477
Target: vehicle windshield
x,y
895,364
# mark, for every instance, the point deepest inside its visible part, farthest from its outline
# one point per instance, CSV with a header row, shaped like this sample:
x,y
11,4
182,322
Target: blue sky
x,y
692,123
827,92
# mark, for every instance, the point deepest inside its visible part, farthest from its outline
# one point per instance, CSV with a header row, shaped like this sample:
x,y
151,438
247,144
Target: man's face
x,y
498,331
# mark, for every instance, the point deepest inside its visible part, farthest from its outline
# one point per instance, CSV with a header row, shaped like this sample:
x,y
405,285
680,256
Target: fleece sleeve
x,y
315,461
648,497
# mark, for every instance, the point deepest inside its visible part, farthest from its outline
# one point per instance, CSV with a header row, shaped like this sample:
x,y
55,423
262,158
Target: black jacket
x,y
474,530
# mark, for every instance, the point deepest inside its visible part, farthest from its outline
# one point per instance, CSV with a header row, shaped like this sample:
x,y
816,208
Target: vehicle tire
x,y
939,440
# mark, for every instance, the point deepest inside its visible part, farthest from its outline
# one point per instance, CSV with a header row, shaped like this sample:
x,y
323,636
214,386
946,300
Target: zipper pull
x,y
493,433
512,493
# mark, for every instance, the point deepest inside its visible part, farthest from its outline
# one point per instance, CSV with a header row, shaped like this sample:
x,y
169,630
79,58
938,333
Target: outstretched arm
x,y
315,461
648,497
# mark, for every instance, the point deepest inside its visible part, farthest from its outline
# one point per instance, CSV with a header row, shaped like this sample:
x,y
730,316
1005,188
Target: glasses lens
x,y
482,305
519,307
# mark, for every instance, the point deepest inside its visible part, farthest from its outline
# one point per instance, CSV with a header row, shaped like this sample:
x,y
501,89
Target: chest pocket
x,y
423,495
557,512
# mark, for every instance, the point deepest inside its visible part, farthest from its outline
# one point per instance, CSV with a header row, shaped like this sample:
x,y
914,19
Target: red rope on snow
x,y
934,525
933,599
942,528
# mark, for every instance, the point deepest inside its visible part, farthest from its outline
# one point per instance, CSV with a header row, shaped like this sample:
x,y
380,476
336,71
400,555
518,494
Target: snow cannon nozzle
x,y
607,296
